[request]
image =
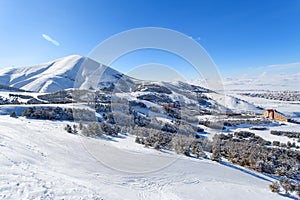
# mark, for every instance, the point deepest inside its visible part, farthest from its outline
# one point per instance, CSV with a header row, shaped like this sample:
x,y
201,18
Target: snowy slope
x,y
80,72
289,108
57,75
234,104
39,160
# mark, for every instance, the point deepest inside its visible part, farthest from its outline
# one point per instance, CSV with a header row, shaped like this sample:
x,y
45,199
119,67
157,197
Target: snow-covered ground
x,y
39,160
265,134
291,109
233,103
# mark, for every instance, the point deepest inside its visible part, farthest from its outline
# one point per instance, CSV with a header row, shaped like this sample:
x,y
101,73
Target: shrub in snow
x,y
297,189
199,129
13,114
275,187
283,145
85,131
50,113
141,120
286,185
244,134
186,129
233,157
276,143
216,153
68,128
110,118
139,140
251,154
84,115
156,145
258,128
213,124
188,146
155,139
123,119
75,131
286,133
94,129
190,118
182,145
99,108
169,128
80,125
281,171
196,149
109,129
62,96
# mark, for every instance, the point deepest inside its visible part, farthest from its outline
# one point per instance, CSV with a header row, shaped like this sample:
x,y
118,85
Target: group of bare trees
x,y
181,144
95,129
50,113
285,184
242,148
255,153
59,113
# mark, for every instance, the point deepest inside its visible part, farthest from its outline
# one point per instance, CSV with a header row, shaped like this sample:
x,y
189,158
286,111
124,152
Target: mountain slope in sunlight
x,y
64,73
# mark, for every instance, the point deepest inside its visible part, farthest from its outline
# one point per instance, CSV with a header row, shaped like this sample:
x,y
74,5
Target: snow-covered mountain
x,y
126,134
81,72
64,73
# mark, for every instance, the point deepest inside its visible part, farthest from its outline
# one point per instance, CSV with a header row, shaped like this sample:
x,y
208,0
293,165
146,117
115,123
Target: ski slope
x,y
39,160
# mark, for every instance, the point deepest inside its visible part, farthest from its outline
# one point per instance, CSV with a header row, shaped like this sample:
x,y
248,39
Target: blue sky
x,y
239,35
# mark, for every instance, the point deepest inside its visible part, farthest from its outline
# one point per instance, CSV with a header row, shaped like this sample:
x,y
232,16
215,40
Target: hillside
x,y
64,73
73,128
45,162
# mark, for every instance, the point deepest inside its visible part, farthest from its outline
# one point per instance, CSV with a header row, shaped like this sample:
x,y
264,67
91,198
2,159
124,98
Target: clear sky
x,y
238,35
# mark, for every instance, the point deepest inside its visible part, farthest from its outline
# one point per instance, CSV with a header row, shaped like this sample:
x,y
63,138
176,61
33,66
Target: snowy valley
x,y
75,129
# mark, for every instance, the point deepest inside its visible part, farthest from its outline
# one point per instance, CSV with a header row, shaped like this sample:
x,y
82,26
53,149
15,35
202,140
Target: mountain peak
x,y
70,57
52,76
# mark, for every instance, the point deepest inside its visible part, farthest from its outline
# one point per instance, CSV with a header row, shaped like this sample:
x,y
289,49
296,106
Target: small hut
x,y
275,115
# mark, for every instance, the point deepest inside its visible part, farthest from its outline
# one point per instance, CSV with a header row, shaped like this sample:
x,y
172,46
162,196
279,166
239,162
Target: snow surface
x,y
291,109
234,103
265,134
46,77
39,160
64,73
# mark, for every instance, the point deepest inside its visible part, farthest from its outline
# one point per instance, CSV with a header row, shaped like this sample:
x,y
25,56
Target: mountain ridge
x,y
55,75
80,72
